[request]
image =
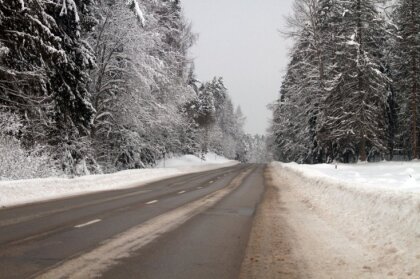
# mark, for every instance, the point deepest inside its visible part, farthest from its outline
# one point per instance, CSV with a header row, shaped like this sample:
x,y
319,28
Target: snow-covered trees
x,y
406,73
43,74
337,100
295,111
140,85
104,85
219,126
258,152
353,119
18,162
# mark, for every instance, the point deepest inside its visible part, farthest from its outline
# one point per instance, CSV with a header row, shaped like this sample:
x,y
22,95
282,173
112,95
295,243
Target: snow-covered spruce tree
x,y
295,113
328,17
354,112
74,110
242,148
333,103
406,74
44,73
228,124
205,114
304,84
396,137
314,38
291,139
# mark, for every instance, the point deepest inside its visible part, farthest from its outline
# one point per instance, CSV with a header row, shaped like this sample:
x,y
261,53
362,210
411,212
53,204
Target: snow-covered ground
x,y
370,210
401,176
31,190
191,160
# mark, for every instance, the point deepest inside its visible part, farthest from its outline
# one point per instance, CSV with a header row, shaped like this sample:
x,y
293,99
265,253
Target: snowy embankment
x,y
398,176
31,190
375,205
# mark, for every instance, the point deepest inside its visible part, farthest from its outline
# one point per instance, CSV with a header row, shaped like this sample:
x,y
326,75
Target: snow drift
x,y
31,190
399,176
383,220
192,160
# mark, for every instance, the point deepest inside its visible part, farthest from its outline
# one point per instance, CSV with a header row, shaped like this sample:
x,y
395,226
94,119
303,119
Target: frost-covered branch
x,y
134,6
69,5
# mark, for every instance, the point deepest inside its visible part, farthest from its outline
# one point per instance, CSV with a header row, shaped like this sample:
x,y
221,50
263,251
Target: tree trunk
x,y
414,116
362,150
206,141
362,145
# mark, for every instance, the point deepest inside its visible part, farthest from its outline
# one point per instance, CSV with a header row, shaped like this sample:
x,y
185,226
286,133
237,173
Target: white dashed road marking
x,y
88,223
95,262
181,192
152,202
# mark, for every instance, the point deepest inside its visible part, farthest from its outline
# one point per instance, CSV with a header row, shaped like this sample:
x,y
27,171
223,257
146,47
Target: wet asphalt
x,y
37,237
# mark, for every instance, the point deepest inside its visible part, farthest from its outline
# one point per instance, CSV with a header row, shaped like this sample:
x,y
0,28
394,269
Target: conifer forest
x,y
97,86
351,90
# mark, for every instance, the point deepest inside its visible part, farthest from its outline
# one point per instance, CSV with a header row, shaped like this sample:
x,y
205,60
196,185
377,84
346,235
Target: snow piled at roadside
x,y
374,214
401,176
32,190
191,160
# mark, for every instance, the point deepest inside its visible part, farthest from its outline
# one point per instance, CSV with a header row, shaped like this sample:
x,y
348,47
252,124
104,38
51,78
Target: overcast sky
x,y
239,40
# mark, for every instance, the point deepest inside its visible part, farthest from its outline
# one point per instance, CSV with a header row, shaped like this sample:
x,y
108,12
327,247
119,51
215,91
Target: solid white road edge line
x,y
98,260
152,202
88,223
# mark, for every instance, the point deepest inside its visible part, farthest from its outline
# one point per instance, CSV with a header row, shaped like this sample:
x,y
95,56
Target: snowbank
x,y
31,190
400,176
369,203
191,160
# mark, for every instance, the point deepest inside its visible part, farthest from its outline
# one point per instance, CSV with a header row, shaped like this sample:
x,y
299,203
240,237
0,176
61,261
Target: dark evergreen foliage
x,y
351,89
44,72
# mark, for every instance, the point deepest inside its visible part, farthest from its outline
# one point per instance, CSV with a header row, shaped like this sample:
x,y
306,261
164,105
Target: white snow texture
x,y
376,205
31,190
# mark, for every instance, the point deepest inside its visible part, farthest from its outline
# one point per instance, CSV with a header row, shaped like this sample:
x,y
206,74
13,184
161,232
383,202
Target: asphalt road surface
x,y
191,226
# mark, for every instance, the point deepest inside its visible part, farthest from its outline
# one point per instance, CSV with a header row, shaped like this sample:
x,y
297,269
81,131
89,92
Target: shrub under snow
x,y
17,162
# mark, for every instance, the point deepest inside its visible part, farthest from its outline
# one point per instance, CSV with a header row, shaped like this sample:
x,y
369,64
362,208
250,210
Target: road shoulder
x,y
269,253
293,238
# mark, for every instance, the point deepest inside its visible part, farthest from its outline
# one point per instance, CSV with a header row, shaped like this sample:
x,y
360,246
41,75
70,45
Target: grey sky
x,y
239,40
